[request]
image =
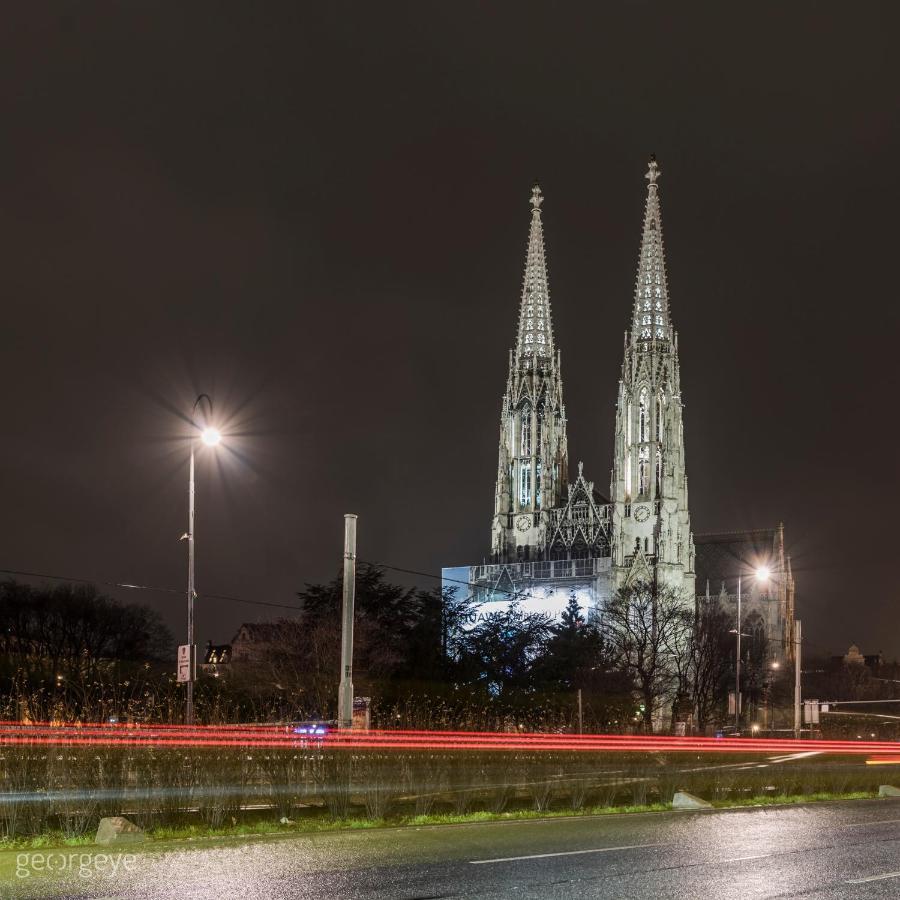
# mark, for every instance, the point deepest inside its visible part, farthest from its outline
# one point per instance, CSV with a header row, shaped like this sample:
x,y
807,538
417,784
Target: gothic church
x,y
551,537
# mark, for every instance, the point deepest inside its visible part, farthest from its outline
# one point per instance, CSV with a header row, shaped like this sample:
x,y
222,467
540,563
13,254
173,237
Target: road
x,y
830,850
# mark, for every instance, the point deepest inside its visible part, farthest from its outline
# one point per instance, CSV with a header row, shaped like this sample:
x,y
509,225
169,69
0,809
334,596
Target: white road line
x,y
873,878
482,862
795,756
863,824
742,858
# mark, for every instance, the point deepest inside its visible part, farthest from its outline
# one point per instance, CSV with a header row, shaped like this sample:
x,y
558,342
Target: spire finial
x,y
537,198
653,170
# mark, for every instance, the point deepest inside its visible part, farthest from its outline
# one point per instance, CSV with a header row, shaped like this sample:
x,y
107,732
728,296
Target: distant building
x,y
767,606
254,642
853,657
216,659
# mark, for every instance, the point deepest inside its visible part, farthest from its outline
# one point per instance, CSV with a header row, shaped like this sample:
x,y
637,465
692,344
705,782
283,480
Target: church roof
x,y
535,328
725,555
651,292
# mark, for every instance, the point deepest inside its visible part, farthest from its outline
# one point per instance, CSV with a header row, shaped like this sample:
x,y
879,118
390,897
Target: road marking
x,y
863,824
482,862
742,858
795,756
874,878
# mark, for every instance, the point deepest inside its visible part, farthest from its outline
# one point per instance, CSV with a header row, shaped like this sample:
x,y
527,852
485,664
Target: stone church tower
x,y
532,469
652,538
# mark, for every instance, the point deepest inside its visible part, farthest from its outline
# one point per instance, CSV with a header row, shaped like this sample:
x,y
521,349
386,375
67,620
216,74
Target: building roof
x,y
725,555
257,632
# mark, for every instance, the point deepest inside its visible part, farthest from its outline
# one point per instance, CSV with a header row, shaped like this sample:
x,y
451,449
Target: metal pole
x,y
797,678
580,717
737,665
189,704
345,691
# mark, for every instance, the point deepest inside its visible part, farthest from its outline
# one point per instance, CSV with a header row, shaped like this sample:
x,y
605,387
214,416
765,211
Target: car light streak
x,y
280,736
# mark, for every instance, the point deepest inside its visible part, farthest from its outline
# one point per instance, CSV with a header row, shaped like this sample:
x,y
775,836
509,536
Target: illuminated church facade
x,y
552,536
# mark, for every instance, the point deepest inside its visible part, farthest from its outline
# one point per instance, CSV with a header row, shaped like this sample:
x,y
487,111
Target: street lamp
x,y
762,575
210,436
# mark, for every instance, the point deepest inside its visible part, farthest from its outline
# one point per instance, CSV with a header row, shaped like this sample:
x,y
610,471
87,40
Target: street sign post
x,y
811,712
187,663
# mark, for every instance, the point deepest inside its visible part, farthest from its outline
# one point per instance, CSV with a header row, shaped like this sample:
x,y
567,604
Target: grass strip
x,y
309,825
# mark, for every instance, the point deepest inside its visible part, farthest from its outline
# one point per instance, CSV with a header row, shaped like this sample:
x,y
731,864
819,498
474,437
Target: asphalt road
x,y
832,850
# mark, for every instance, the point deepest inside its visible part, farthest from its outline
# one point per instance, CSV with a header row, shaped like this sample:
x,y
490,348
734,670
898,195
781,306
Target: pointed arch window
x,y
658,472
525,428
644,470
644,416
660,409
525,484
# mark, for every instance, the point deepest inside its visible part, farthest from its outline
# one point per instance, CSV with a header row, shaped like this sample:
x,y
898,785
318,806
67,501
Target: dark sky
x,y
318,213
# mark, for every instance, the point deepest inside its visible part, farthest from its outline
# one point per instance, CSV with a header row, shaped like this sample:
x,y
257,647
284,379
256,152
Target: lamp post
x,y
773,674
762,575
210,436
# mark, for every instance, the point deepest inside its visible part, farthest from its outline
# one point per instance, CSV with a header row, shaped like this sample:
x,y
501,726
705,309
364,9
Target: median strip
x,y
502,859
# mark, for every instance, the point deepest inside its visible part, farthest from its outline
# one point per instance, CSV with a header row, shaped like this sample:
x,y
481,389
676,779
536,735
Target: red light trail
x,y
282,737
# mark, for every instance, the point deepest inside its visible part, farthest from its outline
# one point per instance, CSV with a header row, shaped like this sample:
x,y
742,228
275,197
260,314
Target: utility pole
x,y
345,691
797,678
737,666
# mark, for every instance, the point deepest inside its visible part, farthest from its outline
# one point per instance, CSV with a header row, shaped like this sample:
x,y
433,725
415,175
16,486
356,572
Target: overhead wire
x,y
73,579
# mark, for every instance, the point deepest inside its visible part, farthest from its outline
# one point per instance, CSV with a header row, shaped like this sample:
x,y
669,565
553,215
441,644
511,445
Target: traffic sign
x,y
187,663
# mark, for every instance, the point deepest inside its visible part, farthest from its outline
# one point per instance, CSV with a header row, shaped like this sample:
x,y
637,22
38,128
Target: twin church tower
x,y
552,536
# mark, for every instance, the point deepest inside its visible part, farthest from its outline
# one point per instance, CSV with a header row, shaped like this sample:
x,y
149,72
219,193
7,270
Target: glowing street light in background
x,y
762,575
210,436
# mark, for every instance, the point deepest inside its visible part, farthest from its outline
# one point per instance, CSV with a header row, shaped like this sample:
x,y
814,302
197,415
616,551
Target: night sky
x,y
318,213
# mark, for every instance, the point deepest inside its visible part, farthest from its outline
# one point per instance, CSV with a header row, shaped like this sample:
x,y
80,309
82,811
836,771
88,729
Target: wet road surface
x,y
828,850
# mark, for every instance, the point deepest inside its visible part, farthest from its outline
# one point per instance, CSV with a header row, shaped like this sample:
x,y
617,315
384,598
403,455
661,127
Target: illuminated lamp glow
x,y
763,573
210,437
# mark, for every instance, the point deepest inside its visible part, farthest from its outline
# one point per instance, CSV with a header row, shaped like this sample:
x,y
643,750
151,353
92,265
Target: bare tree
x,y
646,626
710,662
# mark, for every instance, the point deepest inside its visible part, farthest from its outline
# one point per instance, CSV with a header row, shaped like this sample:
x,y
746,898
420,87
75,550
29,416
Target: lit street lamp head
x,y
210,437
762,573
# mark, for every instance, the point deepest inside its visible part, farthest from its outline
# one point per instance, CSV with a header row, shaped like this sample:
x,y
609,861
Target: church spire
x,y
651,293
533,462
535,337
649,485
